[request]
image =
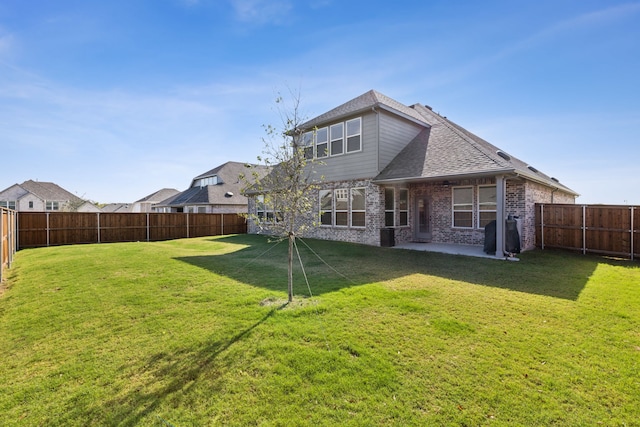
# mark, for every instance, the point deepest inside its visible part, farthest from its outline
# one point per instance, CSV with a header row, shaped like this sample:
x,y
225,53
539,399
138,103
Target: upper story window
x,y
203,182
337,139
354,131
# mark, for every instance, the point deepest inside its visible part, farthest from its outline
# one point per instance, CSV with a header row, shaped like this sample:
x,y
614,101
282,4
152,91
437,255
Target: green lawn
x,y
194,332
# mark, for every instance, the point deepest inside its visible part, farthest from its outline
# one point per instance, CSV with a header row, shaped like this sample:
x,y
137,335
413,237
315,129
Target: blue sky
x,y
116,99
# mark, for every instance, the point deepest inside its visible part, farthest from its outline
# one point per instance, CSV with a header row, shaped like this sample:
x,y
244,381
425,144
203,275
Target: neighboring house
x,y
215,191
36,196
387,165
118,207
146,204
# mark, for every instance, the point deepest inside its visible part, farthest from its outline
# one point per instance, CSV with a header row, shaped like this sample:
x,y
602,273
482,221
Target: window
x,y
353,135
389,207
307,143
463,207
322,138
30,204
9,204
486,205
337,138
203,182
260,211
52,206
326,207
403,206
342,207
357,207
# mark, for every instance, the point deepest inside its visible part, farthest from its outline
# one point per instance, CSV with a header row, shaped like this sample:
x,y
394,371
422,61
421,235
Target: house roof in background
x,y
226,192
158,196
47,191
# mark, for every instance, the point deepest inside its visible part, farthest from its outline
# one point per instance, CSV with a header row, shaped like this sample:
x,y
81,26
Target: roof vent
x,y
503,155
228,194
532,169
554,179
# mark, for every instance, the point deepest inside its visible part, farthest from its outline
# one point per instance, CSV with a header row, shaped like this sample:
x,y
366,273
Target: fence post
x,y
584,229
47,216
631,210
98,214
147,226
2,240
222,224
187,224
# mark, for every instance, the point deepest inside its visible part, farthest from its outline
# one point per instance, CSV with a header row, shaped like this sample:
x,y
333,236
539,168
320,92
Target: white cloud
x,y
262,11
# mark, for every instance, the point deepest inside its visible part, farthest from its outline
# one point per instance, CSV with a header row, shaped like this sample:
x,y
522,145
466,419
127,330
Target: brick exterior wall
x,y
521,197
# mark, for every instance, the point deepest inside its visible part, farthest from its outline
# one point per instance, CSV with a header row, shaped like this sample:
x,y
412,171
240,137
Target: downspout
x,y
553,191
377,139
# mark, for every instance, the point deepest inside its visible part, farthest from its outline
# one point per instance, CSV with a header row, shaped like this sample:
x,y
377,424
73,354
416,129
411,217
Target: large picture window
x,y
343,207
486,205
463,207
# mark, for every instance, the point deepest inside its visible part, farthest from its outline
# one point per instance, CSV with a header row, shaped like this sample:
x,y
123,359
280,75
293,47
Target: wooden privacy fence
x,y
602,229
8,239
36,229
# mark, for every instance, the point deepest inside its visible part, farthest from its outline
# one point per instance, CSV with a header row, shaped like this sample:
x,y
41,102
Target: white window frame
x,y
403,211
336,137
363,211
353,135
481,204
341,195
51,206
329,211
454,204
392,210
322,132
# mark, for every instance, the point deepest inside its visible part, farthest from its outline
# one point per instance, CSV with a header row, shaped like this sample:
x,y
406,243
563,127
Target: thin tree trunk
x,y
290,285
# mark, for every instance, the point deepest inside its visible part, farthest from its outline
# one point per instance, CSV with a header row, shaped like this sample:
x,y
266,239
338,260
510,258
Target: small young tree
x,y
286,193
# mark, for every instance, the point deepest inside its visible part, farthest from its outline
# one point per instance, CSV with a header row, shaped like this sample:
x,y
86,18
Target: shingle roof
x,y
48,191
159,195
364,102
446,149
228,182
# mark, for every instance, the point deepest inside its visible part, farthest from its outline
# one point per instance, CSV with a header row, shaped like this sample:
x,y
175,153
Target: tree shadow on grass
x,y
263,263
172,374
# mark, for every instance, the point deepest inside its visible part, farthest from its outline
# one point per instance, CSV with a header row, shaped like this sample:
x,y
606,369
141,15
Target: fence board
x,y
8,239
62,228
603,229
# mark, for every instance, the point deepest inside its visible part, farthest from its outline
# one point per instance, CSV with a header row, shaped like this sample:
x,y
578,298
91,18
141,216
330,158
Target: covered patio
x,y
450,248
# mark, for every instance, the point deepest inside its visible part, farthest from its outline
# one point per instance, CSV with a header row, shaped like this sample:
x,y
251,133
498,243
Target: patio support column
x,y
500,217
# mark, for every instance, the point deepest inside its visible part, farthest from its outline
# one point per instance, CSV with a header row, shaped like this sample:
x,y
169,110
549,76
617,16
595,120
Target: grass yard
x,y
194,332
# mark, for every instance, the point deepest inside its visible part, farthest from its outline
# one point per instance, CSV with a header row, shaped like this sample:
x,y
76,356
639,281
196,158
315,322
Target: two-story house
x,y
387,165
38,196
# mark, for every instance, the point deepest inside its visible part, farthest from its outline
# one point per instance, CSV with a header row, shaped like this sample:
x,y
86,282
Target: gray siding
x,y
383,136
359,165
395,134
